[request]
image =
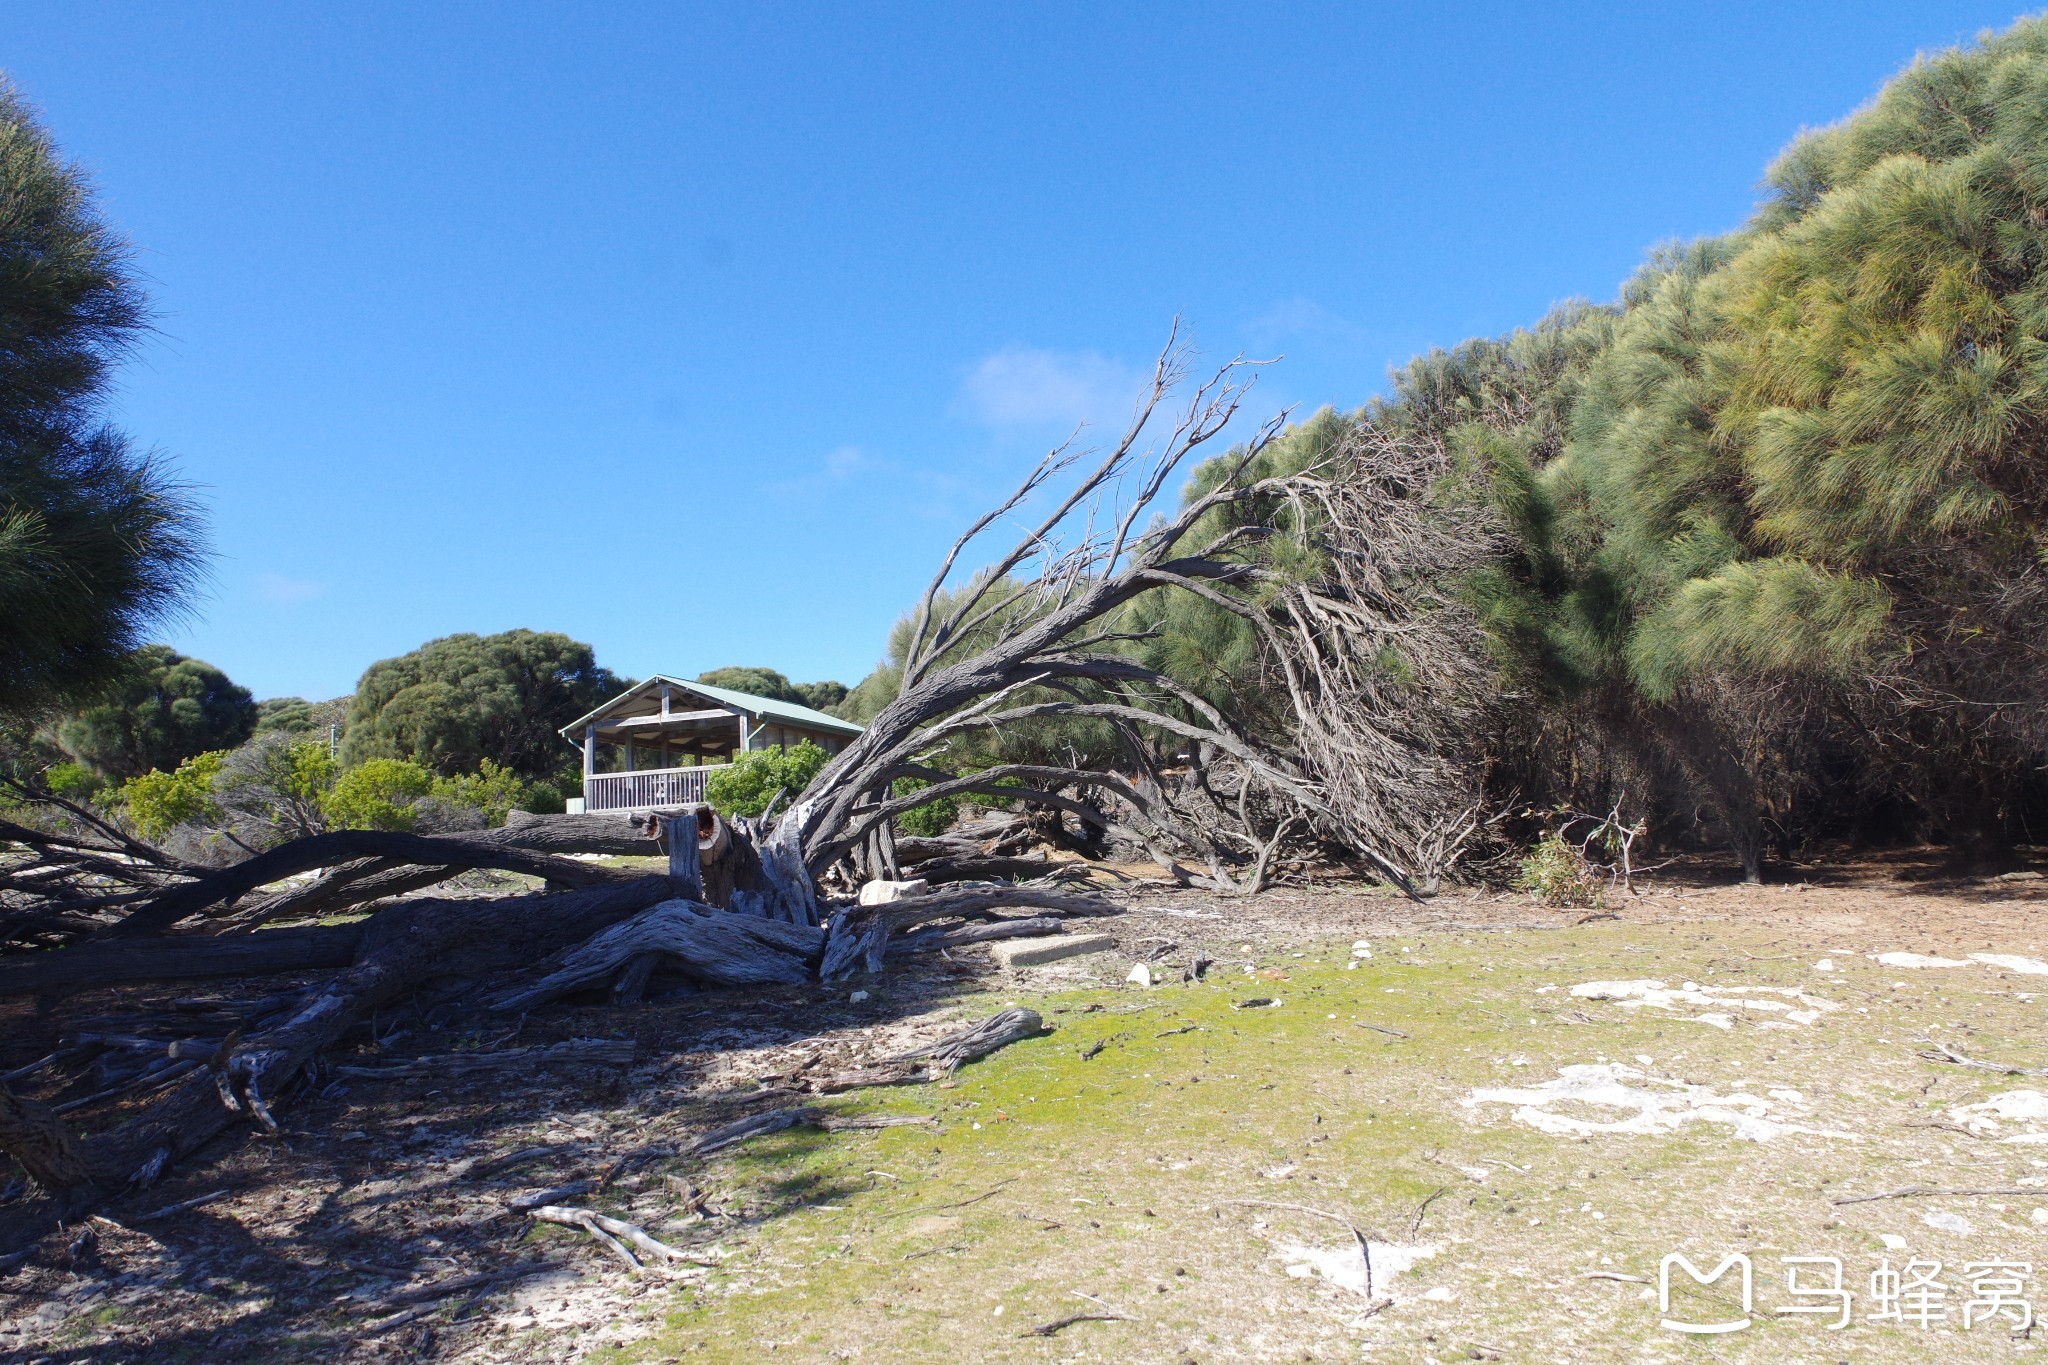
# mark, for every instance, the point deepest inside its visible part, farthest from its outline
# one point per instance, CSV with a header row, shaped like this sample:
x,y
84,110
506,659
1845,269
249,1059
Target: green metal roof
x,y
764,707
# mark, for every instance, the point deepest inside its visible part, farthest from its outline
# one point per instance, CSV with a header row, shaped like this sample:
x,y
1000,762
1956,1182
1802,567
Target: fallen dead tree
x,y
401,950
740,906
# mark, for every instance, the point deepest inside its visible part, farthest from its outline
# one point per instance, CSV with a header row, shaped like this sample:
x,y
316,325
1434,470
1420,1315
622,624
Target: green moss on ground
x,y
1058,1182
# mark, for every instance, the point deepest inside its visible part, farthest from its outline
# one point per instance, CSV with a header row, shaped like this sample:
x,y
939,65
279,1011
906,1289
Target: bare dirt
x,y
1174,1167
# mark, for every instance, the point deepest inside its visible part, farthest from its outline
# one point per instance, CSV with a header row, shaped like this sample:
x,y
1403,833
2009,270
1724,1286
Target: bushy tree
x,y
931,819
161,709
492,792
767,682
98,542
755,682
457,701
271,788
754,777
823,696
378,793
297,716
157,802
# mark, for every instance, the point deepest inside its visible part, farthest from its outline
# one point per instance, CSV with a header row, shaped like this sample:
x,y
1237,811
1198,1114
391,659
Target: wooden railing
x,y
647,789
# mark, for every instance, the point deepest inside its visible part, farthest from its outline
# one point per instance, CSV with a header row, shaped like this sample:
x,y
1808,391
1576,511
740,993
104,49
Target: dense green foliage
x,y
754,778
929,820
766,682
276,788
157,802
297,716
1777,517
97,540
161,709
378,793
1759,548
455,702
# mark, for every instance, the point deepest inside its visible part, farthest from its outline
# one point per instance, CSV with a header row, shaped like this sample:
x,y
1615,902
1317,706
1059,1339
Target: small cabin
x,y
654,746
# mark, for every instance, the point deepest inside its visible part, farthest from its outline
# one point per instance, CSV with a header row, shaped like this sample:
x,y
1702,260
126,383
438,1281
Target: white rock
x,y
2025,966
1141,975
856,997
1032,952
1892,1241
1826,964
1944,1221
1917,960
2010,1106
887,893
1361,949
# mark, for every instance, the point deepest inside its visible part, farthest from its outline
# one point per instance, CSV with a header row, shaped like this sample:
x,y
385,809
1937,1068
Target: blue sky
x,y
697,332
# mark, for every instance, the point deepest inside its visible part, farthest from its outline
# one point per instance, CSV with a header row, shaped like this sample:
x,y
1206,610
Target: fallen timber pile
x,y
725,914
1032,636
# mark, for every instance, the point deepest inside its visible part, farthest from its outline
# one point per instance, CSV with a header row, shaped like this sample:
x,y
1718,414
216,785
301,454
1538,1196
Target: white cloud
x,y
1020,386
1300,318
274,587
839,468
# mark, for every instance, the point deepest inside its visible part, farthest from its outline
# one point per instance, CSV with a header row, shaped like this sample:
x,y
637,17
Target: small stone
x,y
1141,975
856,997
887,893
1361,949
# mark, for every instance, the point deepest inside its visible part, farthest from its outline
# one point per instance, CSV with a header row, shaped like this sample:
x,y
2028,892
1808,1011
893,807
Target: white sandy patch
x,y
1342,1265
2012,962
2029,1107
1723,1004
1916,960
1647,1105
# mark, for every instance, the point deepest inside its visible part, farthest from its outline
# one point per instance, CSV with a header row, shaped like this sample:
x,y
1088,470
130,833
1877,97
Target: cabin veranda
x,y
656,744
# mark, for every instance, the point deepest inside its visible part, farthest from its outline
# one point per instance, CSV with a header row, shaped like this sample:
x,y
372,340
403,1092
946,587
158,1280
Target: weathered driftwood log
x,y
578,1052
36,1137
981,867
715,946
913,910
859,935
110,961
971,1045
162,911
370,879
937,939
944,1057
611,1233
779,1120
727,861
617,835
402,950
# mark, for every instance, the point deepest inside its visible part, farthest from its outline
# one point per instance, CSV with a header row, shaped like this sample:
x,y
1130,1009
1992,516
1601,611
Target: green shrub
x,y
751,782
543,798
157,801
493,790
73,780
377,794
1560,875
929,820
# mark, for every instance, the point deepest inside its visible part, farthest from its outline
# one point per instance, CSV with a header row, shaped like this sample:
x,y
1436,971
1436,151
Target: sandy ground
x,y
1715,1113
